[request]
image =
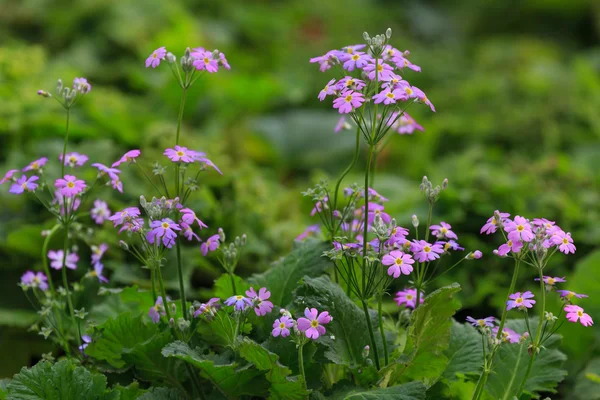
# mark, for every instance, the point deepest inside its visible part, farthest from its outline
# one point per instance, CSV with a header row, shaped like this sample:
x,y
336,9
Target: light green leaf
x,y
228,378
119,301
510,365
408,391
465,353
283,277
223,287
17,318
423,357
118,335
131,392
161,394
348,326
587,385
283,386
60,381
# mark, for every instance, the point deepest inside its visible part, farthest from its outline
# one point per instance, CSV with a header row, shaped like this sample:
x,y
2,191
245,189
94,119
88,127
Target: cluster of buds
x,y
432,194
67,96
159,208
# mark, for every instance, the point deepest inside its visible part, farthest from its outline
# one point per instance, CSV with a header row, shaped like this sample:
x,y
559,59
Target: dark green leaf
x,y
465,353
223,288
587,385
161,394
131,392
408,391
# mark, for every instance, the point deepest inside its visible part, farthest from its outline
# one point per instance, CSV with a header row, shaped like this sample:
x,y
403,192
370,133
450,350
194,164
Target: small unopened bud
x,y
173,308
171,59
474,255
445,184
365,352
388,33
43,93
215,53
171,322
191,310
59,85
415,221
123,245
237,241
337,214
244,238
366,36
143,201
221,234
187,53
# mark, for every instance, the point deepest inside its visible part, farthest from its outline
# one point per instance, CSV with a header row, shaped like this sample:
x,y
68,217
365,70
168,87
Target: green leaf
x,y
510,365
219,330
131,392
283,277
348,326
118,335
587,385
60,381
408,391
423,357
282,386
119,301
161,393
229,379
223,288
464,353
17,318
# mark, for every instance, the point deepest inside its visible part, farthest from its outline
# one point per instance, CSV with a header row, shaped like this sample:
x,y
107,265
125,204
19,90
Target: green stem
x,y
381,330
371,335
180,116
510,291
64,157
66,282
181,283
153,279
301,362
348,169
45,258
232,283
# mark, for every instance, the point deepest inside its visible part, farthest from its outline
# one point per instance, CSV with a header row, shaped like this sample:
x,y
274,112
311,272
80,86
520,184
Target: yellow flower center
x,y
569,295
444,230
550,281
239,297
565,241
314,323
206,60
580,313
446,246
349,50
165,225
509,243
494,222
180,153
326,88
348,99
408,91
154,55
409,297
70,185
355,57
390,95
399,261
379,68
519,300
480,322
72,159
406,63
520,228
35,165
24,186
349,82
282,325
426,249
36,280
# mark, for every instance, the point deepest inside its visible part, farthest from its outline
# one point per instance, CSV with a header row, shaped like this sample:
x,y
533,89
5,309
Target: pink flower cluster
x,y
202,59
312,325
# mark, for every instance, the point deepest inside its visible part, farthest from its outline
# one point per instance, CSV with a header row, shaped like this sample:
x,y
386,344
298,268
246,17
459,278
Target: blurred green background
x,y
516,85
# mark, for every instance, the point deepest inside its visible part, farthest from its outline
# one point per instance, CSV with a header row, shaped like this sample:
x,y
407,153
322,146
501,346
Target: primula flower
x,y
451,245
341,124
520,300
211,244
474,255
8,176
56,257
70,186
100,212
575,313
399,58
189,217
443,230
327,60
424,251
377,209
408,298
239,302
35,280
208,309
564,241
81,85
480,323
350,83
399,263
187,231
98,252
312,325
419,94
405,125
74,159
348,101
112,173
124,215
568,295
204,60
388,96
549,226
508,335
97,272
312,230
200,158
357,59
519,229
36,165
391,82
492,224
180,154
130,156
514,246
86,341
24,184
157,310
329,89
164,229
261,304
281,326
157,55
549,280
384,70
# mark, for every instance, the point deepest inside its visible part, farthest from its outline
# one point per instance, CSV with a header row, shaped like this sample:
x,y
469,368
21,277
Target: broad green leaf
x,y
17,318
223,287
587,385
228,379
510,365
283,386
161,393
283,277
408,391
118,335
349,326
219,330
423,357
60,381
3,390
119,301
131,392
465,353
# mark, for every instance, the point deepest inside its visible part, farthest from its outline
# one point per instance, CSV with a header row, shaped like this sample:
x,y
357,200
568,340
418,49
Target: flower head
x,y
130,156
205,60
97,272
398,262
408,298
8,176
492,223
239,302
348,101
261,304
508,335
211,244
189,217
576,313
520,300
564,241
480,323
424,251
443,230
86,341
74,159
327,60
81,85
155,58
281,326
36,165
208,309
98,252
389,96
514,246
384,70
56,259
519,229
552,280
329,89
157,310
568,295
356,59
128,214
181,154
164,229
24,184
312,325
35,280
112,173
70,186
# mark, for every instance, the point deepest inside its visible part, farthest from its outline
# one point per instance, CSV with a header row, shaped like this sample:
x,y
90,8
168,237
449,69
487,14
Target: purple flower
x,y
312,325
475,255
239,302
377,210
189,217
424,251
98,252
350,83
402,62
492,224
208,309
74,159
130,156
341,124
423,98
450,245
112,173
329,89
180,154
281,326
56,257
312,230
24,184
348,101
519,229
157,310
204,60
508,335
100,212
564,242
70,186
81,85
187,231
399,263
86,341
8,176
549,280
157,55
520,300
261,304
125,215
406,125
568,295
514,246
327,60
384,70
357,59
480,323
576,313
443,230
389,96
408,298
164,229
97,272
71,205
35,280
36,165
211,244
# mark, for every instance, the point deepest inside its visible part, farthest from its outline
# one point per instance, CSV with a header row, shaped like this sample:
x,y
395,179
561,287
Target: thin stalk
x,y
301,362
153,279
371,335
181,283
180,116
381,330
66,282
64,157
348,169
232,282
45,258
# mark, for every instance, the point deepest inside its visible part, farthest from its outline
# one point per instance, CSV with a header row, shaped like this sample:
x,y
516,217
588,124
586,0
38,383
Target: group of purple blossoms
x,y
202,59
523,235
383,72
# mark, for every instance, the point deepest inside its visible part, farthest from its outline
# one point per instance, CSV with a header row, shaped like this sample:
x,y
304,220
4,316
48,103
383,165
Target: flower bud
x,y
143,201
43,93
366,36
171,322
173,308
59,85
243,241
171,59
415,221
123,245
445,184
365,352
237,241
388,33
